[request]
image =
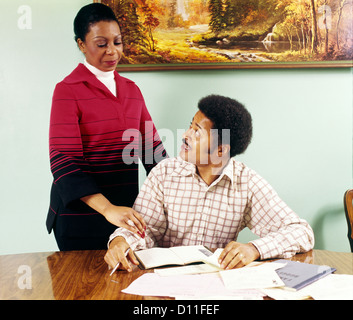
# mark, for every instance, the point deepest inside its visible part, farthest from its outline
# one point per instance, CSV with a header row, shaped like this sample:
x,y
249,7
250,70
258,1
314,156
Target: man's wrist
x,y
256,251
117,241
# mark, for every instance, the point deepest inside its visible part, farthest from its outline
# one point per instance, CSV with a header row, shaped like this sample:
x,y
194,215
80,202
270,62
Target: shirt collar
x,y
82,74
186,169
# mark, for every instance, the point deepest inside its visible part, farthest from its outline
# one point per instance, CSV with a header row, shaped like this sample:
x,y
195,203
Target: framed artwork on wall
x,y
222,34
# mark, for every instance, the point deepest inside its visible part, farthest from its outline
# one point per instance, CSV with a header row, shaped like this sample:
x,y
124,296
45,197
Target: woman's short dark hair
x,y
89,15
227,113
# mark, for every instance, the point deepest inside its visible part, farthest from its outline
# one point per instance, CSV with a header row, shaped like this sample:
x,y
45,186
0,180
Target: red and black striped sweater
x,y
95,140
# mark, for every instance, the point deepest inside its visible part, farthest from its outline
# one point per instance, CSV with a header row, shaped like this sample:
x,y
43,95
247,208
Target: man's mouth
x,y
185,145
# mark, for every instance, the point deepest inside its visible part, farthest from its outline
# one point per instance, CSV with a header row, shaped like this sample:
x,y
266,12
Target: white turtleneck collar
x,y
106,77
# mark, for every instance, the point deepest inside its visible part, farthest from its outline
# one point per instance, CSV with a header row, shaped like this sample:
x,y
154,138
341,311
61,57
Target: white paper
x,y
331,287
258,277
193,286
192,269
213,260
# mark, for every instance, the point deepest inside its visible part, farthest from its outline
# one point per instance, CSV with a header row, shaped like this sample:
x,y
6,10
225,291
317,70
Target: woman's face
x,y
103,47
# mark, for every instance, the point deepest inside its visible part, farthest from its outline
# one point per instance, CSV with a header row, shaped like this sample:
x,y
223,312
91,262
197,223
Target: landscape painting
x,y
195,34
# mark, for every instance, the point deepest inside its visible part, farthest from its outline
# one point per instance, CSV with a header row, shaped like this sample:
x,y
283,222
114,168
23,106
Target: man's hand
x,y
116,253
237,255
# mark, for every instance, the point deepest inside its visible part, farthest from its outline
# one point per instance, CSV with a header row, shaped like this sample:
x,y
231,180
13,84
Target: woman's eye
x,y
101,45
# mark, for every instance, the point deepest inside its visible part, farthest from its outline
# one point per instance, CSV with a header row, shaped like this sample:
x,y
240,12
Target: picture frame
x,y
234,34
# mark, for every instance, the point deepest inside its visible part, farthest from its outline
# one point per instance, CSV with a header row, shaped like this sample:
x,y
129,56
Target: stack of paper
x,y
282,279
332,287
258,277
177,282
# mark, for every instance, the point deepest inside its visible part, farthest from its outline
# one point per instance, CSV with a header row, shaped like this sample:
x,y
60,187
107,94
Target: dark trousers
x,y
82,232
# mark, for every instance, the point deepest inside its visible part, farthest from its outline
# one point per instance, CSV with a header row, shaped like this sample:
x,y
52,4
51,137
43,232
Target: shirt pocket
x,y
227,224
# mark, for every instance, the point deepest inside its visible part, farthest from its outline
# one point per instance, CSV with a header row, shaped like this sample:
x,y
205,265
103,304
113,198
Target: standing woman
x,y
96,118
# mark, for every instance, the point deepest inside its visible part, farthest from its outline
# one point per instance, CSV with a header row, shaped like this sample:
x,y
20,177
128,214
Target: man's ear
x,y
223,150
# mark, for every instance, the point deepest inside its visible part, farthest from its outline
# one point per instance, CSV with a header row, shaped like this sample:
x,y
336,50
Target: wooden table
x,y
84,275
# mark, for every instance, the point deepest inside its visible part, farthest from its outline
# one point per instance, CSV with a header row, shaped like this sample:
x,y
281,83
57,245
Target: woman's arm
x,y
117,215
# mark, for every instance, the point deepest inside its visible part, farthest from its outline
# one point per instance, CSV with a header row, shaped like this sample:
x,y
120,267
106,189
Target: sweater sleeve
x,y
65,145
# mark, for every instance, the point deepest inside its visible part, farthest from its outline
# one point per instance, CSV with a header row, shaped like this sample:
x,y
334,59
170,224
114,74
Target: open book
x,y
181,255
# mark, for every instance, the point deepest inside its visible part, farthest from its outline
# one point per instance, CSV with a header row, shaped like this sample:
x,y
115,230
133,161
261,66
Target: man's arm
x,y
282,233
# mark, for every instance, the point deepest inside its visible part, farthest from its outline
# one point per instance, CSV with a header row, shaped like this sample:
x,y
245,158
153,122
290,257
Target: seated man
x,y
206,197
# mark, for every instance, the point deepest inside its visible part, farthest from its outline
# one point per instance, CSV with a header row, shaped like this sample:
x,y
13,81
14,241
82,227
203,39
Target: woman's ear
x,y
81,45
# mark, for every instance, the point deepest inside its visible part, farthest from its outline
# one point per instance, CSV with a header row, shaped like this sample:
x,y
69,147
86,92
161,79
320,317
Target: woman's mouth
x,y
111,63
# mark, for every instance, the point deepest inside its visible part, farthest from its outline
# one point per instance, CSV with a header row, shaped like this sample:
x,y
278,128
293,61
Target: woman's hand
x,y
237,255
124,217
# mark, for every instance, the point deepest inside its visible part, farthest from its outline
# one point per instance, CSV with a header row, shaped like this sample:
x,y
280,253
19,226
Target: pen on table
x,y
117,265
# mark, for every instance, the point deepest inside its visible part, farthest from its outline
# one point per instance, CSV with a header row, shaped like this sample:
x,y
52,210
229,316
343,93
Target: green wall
x,y
302,125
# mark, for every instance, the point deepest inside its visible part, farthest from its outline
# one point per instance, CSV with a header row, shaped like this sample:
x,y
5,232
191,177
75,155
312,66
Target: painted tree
x,y
150,23
171,23
314,36
342,4
233,14
215,8
131,28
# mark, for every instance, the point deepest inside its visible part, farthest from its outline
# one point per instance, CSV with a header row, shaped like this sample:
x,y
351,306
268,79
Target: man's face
x,y
199,144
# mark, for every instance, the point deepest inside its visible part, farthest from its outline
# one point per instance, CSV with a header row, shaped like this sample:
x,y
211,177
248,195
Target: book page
x,y
190,254
155,257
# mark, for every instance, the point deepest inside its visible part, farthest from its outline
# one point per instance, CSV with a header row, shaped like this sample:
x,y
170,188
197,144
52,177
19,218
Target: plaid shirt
x,y
181,209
